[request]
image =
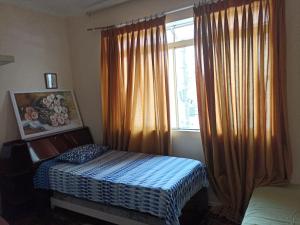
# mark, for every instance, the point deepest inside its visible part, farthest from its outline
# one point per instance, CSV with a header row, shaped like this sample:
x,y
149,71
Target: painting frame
x,y
62,128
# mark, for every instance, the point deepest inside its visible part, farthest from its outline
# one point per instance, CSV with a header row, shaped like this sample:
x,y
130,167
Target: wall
x,y
293,80
40,44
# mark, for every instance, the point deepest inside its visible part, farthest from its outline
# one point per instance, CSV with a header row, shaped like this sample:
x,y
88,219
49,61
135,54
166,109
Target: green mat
x,y
274,206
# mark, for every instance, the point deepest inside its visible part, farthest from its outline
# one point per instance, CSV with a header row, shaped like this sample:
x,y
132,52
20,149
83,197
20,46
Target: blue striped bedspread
x,y
159,185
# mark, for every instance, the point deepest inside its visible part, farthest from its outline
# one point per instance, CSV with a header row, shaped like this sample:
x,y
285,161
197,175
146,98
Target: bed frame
x,y
118,215
48,147
100,211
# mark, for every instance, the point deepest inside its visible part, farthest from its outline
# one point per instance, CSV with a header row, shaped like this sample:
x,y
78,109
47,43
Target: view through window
x,y
183,95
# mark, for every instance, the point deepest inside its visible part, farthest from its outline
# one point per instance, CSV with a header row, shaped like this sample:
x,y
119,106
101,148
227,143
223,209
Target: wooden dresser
x,y
18,162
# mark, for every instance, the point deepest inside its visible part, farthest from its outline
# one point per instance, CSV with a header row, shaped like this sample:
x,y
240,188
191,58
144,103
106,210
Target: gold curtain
x,y
134,83
241,91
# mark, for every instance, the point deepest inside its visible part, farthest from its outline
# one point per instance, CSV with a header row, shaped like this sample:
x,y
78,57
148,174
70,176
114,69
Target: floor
x,y
64,217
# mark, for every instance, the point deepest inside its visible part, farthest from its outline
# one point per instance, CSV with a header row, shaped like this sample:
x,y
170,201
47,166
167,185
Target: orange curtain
x,y
241,91
134,82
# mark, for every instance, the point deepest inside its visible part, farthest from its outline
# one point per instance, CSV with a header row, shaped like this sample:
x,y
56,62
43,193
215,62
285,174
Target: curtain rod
x,y
142,19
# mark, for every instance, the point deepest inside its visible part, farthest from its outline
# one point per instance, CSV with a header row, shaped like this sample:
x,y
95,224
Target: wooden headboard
x,y
48,147
21,155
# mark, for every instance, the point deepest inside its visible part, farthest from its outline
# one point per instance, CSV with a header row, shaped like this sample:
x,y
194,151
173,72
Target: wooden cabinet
x,y
18,162
15,179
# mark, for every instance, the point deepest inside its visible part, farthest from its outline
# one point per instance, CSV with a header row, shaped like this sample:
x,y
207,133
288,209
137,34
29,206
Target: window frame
x,y
173,46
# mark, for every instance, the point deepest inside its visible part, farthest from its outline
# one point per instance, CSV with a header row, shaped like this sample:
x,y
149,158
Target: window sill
x,y
186,130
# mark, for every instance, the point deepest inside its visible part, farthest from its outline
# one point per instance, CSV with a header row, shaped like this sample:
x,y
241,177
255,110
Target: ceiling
x,y
65,7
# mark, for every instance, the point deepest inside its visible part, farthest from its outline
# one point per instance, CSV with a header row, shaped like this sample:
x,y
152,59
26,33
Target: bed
x,y
153,189
274,205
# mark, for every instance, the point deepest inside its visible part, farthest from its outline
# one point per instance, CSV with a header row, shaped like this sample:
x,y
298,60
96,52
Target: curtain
x,y
241,92
134,86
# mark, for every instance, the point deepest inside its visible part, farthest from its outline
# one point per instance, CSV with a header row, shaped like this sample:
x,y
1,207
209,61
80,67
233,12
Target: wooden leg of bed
x,y
196,208
42,201
52,206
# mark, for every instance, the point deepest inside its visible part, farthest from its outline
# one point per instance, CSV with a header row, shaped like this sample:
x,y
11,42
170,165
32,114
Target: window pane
x,y
180,30
184,33
170,36
183,97
186,88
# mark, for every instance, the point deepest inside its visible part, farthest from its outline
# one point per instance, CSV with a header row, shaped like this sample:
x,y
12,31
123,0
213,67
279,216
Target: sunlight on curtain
x,y
134,82
240,76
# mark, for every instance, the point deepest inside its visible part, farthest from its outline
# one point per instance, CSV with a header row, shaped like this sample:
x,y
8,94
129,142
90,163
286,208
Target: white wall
x,y
85,55
293,81
187,144
40,44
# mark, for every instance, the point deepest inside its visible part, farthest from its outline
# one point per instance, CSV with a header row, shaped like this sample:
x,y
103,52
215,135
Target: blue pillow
x,y
82,154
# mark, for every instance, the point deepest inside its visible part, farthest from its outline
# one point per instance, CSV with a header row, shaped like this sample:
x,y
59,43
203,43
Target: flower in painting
x,y
52,118
64,110
51,110
61,120
57,102
54,123
51,106
29,109
65,116
51,98
27,116
31,114
57,109
45,101
34,115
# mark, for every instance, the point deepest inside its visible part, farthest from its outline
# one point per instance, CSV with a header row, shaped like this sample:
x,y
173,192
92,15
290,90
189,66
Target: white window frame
x,y
173,46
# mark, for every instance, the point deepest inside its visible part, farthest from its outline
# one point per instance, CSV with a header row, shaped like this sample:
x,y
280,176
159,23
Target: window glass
x,y
184,33
186,88
183,96
170,35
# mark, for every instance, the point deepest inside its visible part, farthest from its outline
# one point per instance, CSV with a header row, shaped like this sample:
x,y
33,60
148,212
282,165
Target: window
x,y
183,96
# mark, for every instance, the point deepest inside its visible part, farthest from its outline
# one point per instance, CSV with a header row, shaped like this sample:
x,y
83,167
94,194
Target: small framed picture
x,y
51,80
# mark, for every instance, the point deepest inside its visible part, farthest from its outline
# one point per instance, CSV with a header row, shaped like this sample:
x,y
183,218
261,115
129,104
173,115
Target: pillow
x,y
82,154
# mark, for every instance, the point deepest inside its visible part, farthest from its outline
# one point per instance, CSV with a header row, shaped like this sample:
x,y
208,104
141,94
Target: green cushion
x,y
274,206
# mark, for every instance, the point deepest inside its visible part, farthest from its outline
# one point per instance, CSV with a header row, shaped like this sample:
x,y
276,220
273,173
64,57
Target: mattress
x,y
158,185
274,206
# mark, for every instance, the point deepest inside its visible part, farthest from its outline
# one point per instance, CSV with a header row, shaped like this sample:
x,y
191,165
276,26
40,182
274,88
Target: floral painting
x,y
47,112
